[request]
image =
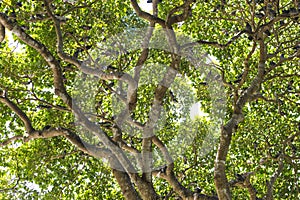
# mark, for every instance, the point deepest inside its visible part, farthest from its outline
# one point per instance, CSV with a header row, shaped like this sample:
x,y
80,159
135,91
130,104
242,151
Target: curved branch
x,y
168,174
243,181
11,140
71,136
146,15
19,112
59,36
186,7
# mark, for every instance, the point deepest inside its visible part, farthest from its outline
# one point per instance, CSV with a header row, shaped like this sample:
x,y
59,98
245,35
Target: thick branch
x,y
127,187
177,186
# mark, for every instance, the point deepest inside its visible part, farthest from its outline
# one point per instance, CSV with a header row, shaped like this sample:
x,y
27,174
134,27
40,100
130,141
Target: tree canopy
x,y
190,100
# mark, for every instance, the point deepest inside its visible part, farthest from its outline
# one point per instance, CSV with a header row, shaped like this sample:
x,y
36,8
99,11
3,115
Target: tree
x,y
86,101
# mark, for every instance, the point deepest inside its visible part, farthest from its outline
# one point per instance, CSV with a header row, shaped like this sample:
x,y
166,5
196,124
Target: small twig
x,y
214,44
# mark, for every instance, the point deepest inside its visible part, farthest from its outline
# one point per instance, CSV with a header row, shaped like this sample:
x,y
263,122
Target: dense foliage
x,y
96,98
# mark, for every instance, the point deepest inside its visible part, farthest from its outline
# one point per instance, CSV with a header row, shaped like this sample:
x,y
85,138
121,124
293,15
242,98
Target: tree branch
x,y
12,187
59,36
243,181
2,32
18,111
214,44
146,15
270,184
127,187
187,11
220,178
154,114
